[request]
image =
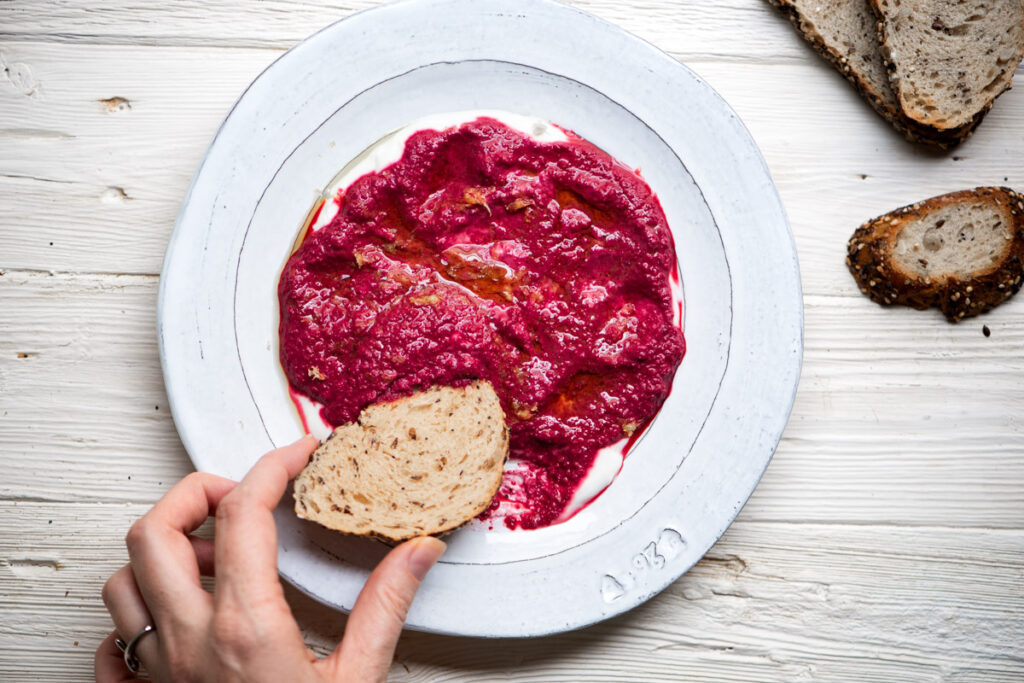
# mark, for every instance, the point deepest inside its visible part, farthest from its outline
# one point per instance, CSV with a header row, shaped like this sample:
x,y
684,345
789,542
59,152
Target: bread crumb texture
x,y
960,252
846,33
947,60
421,465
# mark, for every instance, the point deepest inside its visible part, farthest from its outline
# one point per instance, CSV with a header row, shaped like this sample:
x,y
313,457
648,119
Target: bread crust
x,y
961,132
907,127
870,249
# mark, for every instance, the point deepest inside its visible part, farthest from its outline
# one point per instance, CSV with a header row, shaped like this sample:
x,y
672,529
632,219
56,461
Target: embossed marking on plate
x,y
653,557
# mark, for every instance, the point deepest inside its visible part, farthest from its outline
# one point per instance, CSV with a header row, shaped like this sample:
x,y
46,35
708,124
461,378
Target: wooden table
x,y
885,542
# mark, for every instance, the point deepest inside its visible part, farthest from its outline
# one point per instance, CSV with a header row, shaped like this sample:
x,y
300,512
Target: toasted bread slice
x,y
845,33
420,465
960,252
948,61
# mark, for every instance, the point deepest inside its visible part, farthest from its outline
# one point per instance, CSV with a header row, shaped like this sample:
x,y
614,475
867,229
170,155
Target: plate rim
x,y
523,6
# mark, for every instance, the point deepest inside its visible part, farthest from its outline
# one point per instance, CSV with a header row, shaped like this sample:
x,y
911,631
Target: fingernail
x,y
424,555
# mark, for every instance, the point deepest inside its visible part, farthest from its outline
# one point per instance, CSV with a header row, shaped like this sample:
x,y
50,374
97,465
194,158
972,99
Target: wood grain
x,y
123,172
687,28
885,542
890,424
771,602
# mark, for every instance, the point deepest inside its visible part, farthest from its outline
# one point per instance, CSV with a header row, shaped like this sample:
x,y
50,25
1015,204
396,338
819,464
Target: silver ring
x,y
130,660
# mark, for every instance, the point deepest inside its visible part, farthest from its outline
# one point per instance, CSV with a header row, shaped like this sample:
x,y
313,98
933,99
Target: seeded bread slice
x,y
845,33
960,252
420,465
947,60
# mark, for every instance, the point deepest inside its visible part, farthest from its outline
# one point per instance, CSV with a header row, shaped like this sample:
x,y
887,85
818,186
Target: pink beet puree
x,y
542,267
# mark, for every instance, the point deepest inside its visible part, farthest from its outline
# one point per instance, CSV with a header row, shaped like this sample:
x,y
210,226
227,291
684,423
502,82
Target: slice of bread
x,y
845,33
948,61
962,252
420,465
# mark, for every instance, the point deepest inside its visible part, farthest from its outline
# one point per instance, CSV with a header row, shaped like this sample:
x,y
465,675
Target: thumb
x,y
376,621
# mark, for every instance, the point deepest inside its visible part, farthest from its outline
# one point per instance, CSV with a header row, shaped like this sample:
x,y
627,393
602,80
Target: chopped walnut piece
x,y
523,411
425,299
475,196
518,204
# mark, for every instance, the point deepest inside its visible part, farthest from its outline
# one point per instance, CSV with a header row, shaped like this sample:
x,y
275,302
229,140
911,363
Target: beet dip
x,y
542,267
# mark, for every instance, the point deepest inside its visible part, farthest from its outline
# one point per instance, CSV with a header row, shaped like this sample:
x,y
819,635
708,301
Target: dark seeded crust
x,y
908,128
960,133
870,263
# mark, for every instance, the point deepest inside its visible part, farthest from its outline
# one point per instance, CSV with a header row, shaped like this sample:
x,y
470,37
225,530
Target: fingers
x,y
191,501
108,663
204,550
124,601
246,538
161,585
252,621
379,613
162,556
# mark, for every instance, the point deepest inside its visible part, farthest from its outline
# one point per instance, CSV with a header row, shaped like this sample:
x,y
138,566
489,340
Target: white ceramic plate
x,y
326,100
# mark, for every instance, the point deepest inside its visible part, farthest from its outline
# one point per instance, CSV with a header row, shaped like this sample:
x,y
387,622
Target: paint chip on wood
x,y
27,567
115,105
19,75
114,195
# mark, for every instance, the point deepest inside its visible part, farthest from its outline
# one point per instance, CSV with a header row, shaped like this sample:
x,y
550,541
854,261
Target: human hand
x,y
245,630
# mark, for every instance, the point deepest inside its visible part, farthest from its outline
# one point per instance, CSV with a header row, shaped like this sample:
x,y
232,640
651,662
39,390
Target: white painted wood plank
x,y
883,544
82,403
837,164
771,602
66,159
900,418
767,605
93,185
728,29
